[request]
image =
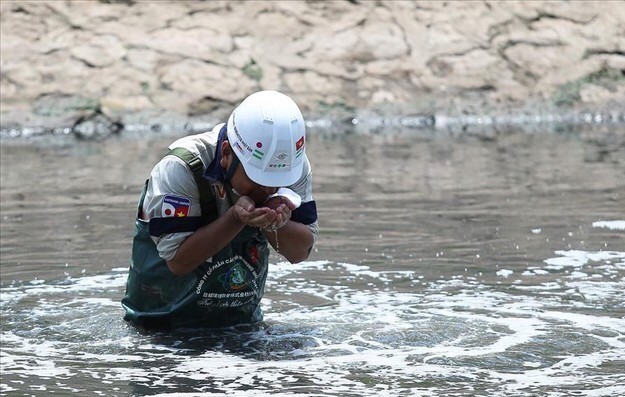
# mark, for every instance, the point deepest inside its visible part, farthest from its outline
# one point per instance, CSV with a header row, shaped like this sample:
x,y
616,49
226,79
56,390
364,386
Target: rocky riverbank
x,y
111,64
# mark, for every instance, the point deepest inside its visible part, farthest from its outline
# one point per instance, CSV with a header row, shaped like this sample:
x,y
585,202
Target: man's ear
x,y
226,152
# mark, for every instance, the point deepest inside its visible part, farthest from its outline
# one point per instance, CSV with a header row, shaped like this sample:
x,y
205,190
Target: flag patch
x,y
174,206
299,147
299,143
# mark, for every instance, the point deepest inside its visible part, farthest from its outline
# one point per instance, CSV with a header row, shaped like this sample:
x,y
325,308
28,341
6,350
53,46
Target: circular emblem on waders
x,y
236,278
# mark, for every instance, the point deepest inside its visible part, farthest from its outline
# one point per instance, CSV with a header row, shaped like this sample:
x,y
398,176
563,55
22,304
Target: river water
x,y
447,265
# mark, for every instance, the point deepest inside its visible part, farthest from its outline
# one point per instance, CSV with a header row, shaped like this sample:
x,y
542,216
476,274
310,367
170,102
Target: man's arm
x,y
212,238
298,235
204,243
293,241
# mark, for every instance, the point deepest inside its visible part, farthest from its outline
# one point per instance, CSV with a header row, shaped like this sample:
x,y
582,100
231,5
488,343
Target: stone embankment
x,y
122,62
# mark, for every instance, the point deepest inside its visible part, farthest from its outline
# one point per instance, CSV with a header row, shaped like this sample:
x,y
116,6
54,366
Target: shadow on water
x,y
448,264
260,342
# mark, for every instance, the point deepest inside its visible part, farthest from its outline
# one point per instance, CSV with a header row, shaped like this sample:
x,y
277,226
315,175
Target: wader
x,y
225,290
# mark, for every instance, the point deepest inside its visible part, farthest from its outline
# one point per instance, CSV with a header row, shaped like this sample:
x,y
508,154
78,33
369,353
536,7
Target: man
x,y
208,211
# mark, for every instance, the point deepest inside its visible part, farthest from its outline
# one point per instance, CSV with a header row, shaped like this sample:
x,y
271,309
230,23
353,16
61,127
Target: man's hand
x,y
293,240
246,213
283,207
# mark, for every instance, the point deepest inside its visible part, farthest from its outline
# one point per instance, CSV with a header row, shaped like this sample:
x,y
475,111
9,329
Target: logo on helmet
x,y
236,132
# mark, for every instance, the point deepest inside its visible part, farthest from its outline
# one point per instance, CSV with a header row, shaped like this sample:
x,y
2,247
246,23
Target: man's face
x,y
241,183
246,187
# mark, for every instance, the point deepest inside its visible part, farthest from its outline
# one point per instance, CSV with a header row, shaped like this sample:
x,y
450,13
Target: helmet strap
x,y
232,167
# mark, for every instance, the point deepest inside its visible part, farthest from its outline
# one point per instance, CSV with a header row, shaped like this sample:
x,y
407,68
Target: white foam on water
x,y
578,258
534,272
566,372
280,269
360,337
611,391
578,275
324,370
69,286
239,393
612,225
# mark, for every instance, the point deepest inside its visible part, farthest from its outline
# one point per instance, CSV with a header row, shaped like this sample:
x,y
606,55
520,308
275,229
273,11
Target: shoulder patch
x,y
175,206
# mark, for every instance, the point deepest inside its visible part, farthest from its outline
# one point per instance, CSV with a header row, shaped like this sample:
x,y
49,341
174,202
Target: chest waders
x,y
225,290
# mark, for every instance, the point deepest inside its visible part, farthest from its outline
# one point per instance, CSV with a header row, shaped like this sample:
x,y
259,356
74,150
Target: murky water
x,y
447,266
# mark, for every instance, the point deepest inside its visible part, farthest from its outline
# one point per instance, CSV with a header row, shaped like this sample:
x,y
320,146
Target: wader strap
x,y
207,197
140,205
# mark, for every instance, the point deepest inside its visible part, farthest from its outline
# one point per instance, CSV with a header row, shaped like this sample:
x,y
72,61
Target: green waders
x,y
225,290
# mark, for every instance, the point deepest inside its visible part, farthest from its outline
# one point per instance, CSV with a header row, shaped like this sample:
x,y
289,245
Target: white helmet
x,y
267,134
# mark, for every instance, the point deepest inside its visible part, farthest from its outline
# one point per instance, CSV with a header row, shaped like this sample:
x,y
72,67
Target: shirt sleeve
x,y
171,187
306,213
